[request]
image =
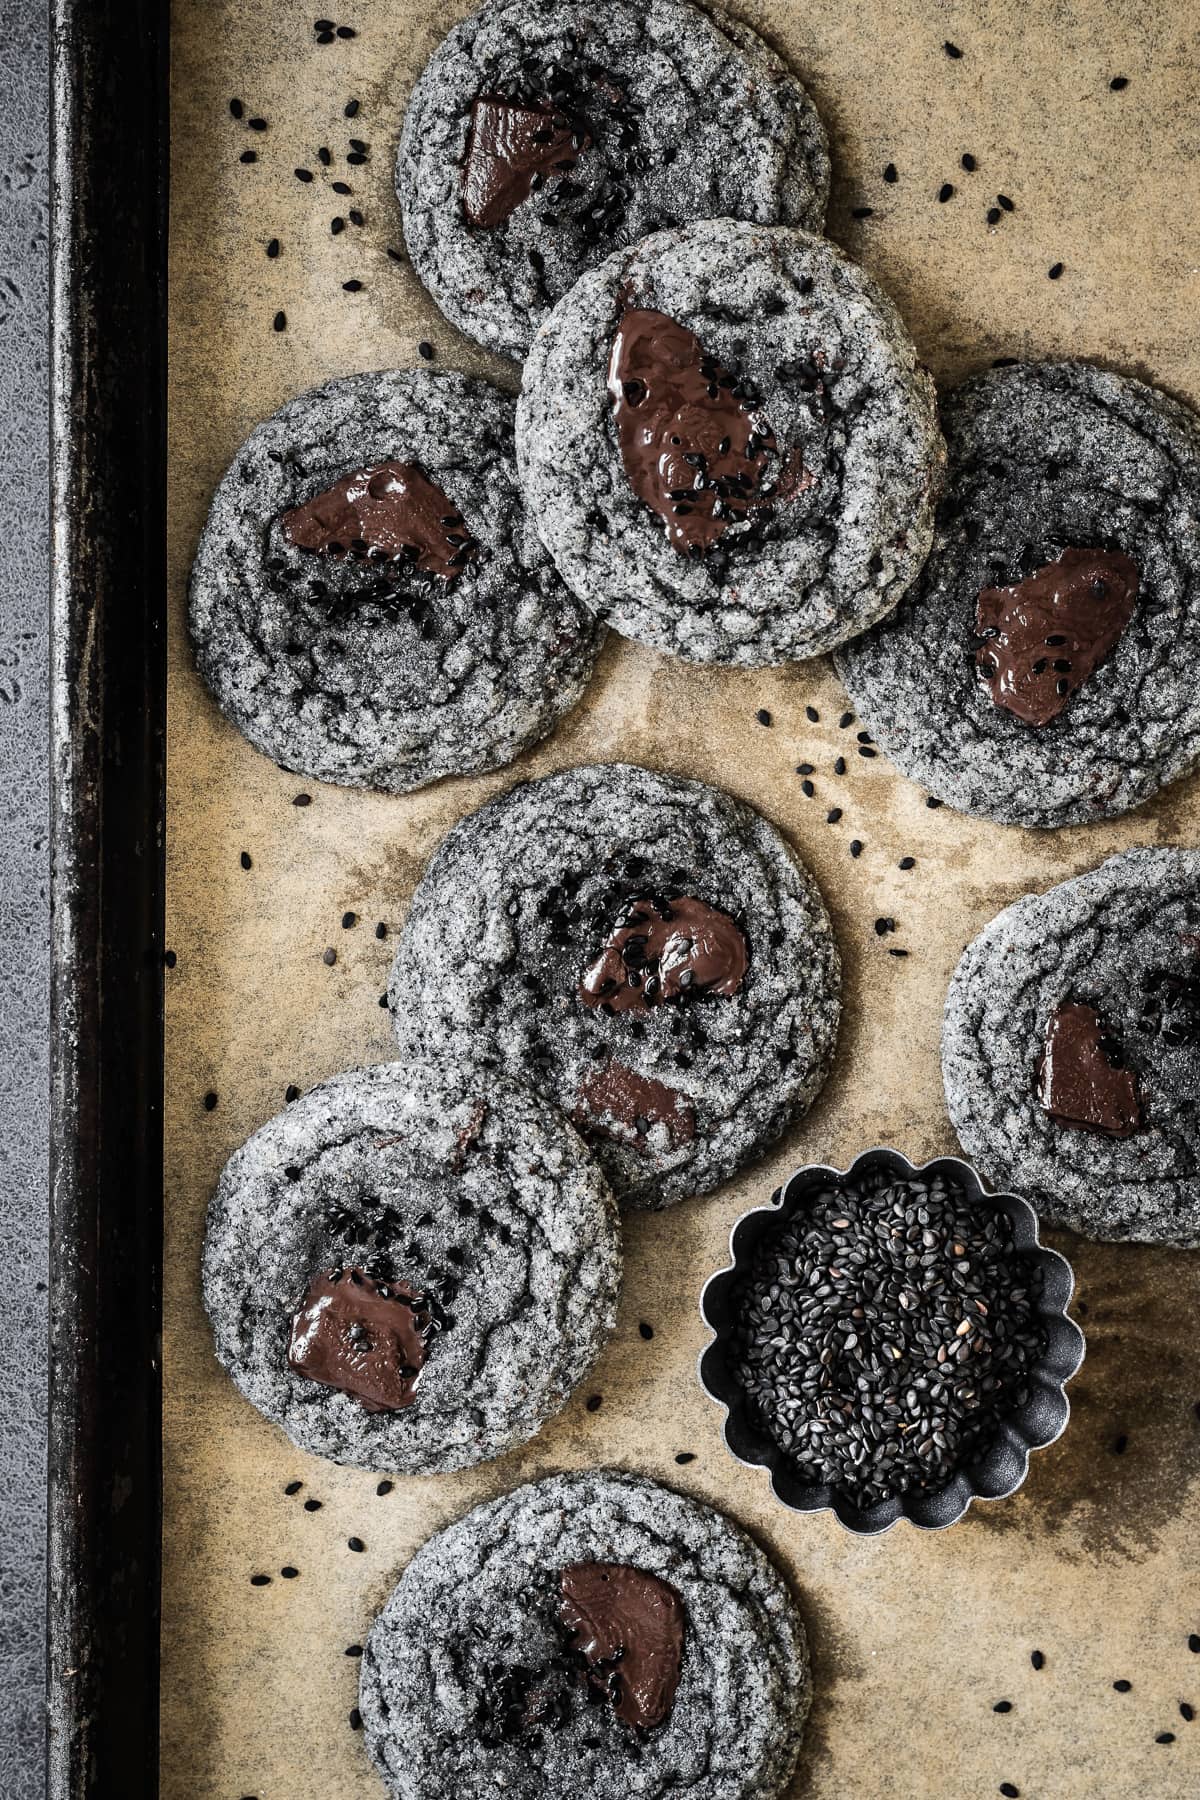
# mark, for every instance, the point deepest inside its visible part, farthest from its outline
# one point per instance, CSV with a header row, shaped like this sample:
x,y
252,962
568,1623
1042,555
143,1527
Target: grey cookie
x,y
375,674
472,1630
826,362
1046,457
689,114
516,906
477,1195
1123,939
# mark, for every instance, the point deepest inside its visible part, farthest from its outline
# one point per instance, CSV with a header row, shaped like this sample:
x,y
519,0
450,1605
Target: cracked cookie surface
x,y
1124,942
465,1688
843,522
475,1195
679,114
1045,459
504,957
369,672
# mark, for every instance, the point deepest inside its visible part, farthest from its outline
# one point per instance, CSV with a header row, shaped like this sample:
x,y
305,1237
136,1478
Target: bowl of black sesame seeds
x,y
890,1341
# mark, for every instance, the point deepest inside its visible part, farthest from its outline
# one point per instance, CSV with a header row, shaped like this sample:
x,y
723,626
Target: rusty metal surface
x,y
1096,1562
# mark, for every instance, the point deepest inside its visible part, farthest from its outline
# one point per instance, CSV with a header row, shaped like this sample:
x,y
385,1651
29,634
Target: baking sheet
x,y
1096,1561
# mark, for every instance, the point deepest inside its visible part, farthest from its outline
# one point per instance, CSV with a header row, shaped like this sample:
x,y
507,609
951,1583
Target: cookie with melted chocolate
x,y
410,1268
1045,670
729,446
645,951
1071,1049
543,135
369,603
587,1634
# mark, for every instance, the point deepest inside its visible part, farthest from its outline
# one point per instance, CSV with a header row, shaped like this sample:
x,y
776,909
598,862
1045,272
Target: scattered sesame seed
x,y
260,1581
337,225
907,862
993,215
313,1505
293,1487
346,31
865,750
257,124
356,157
807,789
932,802
1165,1737
351,109
381,931
839,767
1004,201
1119,82
895,952
383,999
248,156
1037,1659
833,815
385,1487
303,174
946,192
352,287
210,1101
763,716
1120,1444
353,1650
355,217
1122,1686
326,155
862,212
425,350
1186,1711
647,1331
301,799
685,1456
355,1543
355,1719
1003,1706
291,1092
805,768
891,173
952,50
1007,1789
856,847
245,860
273,248
847,718
349,919
812,715
329,957
280,321
396,255
170,958
236,108
288,1572
1194,1642
341,187
594,1402
1054,271
968,162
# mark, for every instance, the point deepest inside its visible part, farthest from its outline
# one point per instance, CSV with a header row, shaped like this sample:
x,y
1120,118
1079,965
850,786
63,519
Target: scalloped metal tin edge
x,y
882,1518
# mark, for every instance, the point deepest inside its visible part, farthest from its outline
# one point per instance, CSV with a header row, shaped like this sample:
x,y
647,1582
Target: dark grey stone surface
x,y
24,887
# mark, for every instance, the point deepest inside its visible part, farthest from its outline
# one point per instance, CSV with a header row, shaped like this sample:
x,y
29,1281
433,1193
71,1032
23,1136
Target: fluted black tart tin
x,y
1000,1468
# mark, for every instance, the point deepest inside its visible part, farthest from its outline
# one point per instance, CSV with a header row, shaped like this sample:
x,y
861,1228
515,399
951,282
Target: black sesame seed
x,y
839,767
1122,1686
383,999
329,956
354,216
806,768
385,1487
807,788
1004,201
812,715
350,110
907,862
337,225
301,799
952,50
1165,1737
280,321
946,192
856,847
891,173
1037,1659
763,716
993,215
245,861
1054,271
355,1543
1194,1642
341,187
647,1331
236,108
353,1650
896,952
291,1092
833,815
425,350
356,157
293,1487
210,1101
352,287
1009,1791
865,750
381,931
260,1581
346,31
349,919
273,248
1186,1711
1119,82
170,958
968,162
932,802
684,1457
862,212
313,1505
303,174
355,1719
1120,1444
257,124
248,156
288,1572
847,718
594,1402
1003,1706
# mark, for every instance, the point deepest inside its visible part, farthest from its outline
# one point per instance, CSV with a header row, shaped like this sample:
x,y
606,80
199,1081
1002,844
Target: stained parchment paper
x,y
1097,1561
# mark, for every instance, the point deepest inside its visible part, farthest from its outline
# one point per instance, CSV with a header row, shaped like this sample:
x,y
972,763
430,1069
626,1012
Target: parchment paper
x,y
915,1636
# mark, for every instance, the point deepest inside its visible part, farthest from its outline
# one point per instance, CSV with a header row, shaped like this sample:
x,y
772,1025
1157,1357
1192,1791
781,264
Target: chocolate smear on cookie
x,y
616,1101
1081,1080
365,1337
512,148
390,511
663,950
1044,636
628,1627
695,448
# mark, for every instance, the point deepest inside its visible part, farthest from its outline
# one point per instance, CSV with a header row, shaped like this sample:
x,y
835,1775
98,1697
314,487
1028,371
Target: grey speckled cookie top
x,y
828,515
545,133
471,1193
469,1686
645,950
367,670
1120,946
1046,458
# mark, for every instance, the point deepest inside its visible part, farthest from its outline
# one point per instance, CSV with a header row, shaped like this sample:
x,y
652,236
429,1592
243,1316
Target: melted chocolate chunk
x,y
1046,635
1081,1080
617,1101
390,511
666,950
518,1700
513,146
694,448
628,1627
1171,1006
365,1337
